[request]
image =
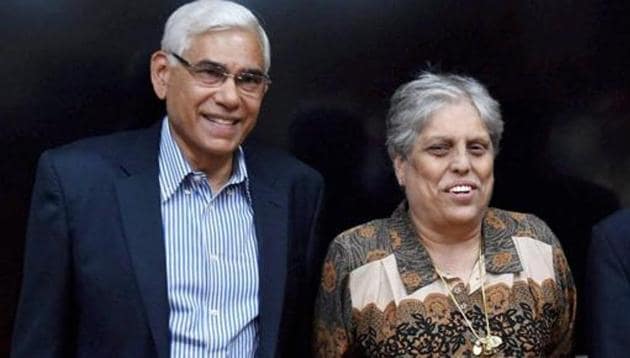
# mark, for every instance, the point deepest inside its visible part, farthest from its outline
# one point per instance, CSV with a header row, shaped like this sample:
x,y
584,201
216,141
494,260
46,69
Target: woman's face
x,y
448,176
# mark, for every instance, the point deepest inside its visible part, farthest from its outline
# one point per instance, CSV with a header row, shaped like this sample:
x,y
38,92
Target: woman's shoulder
x,y
363,243
513,223
362,234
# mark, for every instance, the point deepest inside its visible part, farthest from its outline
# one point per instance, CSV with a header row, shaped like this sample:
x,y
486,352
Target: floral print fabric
x,y
381,297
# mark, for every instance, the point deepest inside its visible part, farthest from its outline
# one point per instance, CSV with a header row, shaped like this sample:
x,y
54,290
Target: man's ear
x,y
160,72
400,166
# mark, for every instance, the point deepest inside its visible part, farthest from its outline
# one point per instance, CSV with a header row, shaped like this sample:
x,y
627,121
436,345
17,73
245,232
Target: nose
x,y
227,95
461,162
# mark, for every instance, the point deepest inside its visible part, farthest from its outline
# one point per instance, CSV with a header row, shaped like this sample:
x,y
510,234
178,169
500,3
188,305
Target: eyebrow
x,y
438,138
450,139
210,63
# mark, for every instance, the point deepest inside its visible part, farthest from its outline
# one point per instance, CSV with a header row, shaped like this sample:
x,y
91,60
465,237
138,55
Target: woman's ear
x,y
400,167
160,72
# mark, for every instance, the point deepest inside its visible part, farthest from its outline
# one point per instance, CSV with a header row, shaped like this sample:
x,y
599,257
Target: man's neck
x,y
218,177
218,171
218,168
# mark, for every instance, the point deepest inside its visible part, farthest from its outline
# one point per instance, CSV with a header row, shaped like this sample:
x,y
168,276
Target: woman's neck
x,y
452,250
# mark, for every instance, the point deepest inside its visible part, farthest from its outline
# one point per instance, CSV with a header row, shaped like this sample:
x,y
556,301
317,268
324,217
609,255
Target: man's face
x,y
209,123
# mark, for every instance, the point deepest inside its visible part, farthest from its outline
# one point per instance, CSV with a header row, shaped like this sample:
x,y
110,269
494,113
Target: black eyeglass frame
x,y
239,78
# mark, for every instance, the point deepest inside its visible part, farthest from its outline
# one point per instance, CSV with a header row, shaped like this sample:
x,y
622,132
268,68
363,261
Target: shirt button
x,y
187,191
214,312
214,257
464,306
457,290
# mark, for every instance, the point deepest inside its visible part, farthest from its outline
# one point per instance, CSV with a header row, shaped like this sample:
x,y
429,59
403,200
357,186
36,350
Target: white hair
x,y
414,102
202,16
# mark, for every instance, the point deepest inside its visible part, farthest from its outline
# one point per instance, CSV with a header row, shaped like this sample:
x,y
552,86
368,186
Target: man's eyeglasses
x,y
210,74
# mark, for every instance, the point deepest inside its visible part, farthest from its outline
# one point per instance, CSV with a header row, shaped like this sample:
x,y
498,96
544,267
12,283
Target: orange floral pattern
x,y
493,220
394,238
329,277
517,216
376,255
411,278
437,307
502,259
498,298
367,231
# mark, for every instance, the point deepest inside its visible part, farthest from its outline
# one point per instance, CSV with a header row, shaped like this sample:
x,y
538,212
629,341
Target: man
x,y
608,286
175,240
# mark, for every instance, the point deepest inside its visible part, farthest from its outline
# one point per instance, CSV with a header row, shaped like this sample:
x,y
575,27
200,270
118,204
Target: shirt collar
x,y
239,173
415,265
174,168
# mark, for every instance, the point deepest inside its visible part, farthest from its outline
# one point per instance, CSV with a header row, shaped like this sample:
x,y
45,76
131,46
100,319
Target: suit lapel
x,y
139,199
270,220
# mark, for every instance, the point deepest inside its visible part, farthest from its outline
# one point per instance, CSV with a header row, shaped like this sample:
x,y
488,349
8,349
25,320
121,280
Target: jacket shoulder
x,y
615,225
618,218
101,155
104,144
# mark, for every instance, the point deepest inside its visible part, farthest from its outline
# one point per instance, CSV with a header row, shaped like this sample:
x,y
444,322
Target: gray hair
x,y
414,102
202,16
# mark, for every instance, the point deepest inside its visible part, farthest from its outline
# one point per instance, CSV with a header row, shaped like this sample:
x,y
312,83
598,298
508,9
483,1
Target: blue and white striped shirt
x,y
211,258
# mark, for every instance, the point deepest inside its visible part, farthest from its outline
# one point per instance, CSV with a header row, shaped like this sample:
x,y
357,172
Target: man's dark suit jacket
x,y
94,273
608,287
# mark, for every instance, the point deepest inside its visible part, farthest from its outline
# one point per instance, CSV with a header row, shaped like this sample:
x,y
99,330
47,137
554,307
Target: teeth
x,y
221,121
461,189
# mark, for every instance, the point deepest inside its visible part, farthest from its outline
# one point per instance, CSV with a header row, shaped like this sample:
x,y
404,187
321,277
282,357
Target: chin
x,y
466,215
220,147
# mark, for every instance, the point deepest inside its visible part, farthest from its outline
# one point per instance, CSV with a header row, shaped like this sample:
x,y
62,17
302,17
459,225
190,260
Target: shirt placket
x,y
211,306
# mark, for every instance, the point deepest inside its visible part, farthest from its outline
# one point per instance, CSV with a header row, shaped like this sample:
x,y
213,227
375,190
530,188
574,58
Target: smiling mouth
x,y
461,189
221,121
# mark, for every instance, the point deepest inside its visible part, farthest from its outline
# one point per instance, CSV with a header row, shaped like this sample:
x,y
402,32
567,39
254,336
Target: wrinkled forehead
x,y
231,47
459,119
192,41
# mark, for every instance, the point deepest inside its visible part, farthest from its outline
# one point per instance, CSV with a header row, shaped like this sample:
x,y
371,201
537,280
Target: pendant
x,y
486,345
493,342
477,349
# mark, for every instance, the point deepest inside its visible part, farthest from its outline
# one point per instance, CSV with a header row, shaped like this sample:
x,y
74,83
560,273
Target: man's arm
x,y
299,344
317,245
43,325
608,292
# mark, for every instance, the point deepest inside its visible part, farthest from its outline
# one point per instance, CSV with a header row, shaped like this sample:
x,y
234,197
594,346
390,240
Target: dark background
x,y
76,68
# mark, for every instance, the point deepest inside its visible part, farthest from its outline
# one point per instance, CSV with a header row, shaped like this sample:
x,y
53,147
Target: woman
x,y
445,275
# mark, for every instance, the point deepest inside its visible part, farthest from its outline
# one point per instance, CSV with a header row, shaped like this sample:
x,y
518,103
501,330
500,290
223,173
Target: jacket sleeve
x,y
306,286
43,326
608,293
